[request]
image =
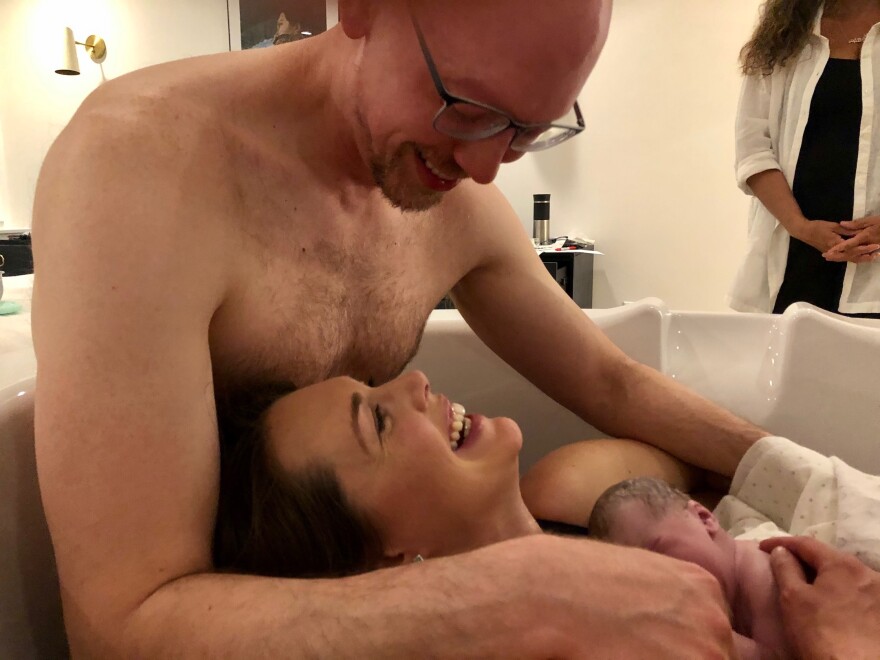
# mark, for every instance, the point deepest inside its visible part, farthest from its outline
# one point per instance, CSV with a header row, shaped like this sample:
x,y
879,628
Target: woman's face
x,y
393,451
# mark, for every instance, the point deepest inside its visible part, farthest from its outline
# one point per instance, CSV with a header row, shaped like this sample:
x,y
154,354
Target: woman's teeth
x,y
461,425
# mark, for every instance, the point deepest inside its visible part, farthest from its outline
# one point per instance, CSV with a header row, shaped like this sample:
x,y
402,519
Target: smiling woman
x,y
340,478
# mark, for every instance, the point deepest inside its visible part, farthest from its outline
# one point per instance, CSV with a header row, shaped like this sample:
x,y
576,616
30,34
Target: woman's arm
x,y
564,485
775,194
755,152
771,187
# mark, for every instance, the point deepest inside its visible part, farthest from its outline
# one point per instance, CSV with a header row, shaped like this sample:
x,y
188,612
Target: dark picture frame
x,y
265,23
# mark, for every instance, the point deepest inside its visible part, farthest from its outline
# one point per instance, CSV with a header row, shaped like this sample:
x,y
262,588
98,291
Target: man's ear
x,y
354,16
710,522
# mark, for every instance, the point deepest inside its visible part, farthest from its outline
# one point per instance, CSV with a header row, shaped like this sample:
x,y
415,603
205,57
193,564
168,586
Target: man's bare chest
x,y
313,305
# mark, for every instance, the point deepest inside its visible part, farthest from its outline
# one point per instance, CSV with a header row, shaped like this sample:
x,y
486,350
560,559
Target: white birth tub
x,y
807,375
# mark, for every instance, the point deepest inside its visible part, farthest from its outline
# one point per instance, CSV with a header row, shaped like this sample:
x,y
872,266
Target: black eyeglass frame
x,y
520,128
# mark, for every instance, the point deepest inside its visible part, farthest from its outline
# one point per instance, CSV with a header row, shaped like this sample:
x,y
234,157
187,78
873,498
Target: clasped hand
x,y
861,245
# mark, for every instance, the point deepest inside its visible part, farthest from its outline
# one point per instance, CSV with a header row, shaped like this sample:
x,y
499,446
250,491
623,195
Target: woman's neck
x,y
848,9
522,523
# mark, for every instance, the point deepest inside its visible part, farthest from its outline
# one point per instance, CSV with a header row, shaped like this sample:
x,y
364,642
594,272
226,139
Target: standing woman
x,y
807,149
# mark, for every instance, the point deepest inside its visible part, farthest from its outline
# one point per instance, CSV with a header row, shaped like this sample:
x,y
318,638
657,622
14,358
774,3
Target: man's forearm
x,y
448,607
577,365
656,409
534,597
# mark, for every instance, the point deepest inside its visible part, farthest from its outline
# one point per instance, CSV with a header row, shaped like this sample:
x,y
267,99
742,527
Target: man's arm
x,y
571,360
129,275
125,430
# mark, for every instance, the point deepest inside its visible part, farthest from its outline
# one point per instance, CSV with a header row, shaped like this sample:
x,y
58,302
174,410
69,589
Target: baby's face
x,y
691,534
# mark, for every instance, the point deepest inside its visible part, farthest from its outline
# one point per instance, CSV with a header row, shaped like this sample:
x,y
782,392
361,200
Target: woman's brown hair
x,y
280,524
782,32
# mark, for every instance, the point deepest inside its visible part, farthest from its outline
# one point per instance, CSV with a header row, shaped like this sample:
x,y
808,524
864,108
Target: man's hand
x,y
838,615
607,601
864,244
821,234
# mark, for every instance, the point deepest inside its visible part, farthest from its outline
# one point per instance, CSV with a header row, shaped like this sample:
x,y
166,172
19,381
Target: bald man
x,y
295,213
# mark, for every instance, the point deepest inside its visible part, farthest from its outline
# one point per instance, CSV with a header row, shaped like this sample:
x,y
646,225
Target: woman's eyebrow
x,y
356,401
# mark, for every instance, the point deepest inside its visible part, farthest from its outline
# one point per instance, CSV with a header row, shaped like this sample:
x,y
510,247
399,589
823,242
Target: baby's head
x,y
649,513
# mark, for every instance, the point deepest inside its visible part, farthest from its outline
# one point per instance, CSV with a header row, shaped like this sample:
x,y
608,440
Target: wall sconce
x,y
95,47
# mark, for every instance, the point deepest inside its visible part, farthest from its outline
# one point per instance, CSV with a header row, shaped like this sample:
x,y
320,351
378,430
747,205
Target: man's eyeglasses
x,y
466,119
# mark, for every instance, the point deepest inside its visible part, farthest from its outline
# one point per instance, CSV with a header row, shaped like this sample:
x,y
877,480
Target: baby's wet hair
x,y
658,497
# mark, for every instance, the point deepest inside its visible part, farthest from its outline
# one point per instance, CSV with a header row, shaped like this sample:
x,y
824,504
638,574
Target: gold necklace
x,y
842,35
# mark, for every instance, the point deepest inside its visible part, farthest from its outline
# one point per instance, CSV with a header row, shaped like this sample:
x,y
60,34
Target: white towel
x,y
782,488
858,523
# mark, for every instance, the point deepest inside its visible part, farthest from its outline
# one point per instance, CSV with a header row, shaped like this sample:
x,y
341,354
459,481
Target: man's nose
x,y
512,156
480,159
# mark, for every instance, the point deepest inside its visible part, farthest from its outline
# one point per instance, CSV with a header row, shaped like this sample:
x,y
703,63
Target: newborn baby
x,y
650,514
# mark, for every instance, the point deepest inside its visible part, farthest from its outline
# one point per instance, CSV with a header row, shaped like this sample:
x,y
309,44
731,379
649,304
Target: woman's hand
x,y
864,244
821,234
836,615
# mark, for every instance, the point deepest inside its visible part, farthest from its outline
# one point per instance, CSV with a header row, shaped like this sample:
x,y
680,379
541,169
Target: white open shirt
x,y
771,118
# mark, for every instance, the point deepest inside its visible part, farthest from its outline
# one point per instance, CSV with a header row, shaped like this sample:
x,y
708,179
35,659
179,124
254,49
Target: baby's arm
x,y
564,485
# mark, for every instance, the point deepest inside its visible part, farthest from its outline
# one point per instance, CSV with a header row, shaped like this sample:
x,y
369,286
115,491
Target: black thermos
x,y
541,227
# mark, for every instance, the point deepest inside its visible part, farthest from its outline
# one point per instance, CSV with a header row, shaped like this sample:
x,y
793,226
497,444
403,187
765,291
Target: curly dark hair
x,y
276,523
782,32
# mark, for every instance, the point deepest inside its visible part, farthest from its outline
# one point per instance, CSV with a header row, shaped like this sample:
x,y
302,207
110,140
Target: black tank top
x,y
823,183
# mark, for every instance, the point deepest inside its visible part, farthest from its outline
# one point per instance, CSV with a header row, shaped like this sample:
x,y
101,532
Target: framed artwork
x,y
265,23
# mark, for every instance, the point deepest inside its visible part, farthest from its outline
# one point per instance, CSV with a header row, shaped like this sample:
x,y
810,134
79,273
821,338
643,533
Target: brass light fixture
x,y
95,47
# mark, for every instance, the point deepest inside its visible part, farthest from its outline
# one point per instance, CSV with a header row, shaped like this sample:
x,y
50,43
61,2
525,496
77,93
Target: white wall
x,y
36,103
651,178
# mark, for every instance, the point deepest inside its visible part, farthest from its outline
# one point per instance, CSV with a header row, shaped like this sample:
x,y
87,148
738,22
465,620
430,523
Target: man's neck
x,y
347,143
755,600
316,102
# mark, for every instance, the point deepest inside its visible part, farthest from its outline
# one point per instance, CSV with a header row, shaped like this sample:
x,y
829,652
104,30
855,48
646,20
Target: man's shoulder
x,y
483,223
482,213
140,123
131,149
476,206
158,110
